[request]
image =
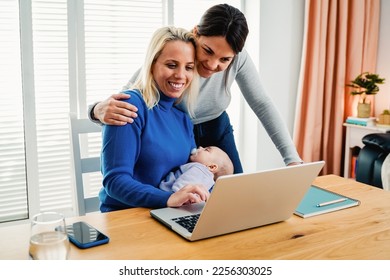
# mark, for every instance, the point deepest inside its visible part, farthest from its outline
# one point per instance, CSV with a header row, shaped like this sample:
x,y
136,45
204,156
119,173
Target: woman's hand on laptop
x,y
187,195
294,163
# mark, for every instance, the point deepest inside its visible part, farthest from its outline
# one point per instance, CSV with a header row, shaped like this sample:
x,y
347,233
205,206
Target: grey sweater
x,y
215,96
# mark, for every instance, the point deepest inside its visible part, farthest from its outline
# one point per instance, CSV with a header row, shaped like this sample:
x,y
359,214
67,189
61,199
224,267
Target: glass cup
x,y
48,237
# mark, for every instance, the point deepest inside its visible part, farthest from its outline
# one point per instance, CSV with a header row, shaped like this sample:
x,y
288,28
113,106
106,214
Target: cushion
x,y
386,173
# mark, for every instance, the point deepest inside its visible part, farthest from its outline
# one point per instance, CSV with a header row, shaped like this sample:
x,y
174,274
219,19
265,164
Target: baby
x,y
205,166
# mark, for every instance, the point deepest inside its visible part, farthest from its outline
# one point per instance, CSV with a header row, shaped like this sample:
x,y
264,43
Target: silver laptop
x,y
242,201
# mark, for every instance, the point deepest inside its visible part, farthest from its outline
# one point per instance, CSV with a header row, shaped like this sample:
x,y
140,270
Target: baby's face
x,y
206,155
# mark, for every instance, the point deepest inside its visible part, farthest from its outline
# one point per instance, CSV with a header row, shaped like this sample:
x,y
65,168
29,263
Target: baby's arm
x,y
194,174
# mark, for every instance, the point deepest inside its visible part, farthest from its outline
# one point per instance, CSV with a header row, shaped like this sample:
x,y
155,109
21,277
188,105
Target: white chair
x,y
83,165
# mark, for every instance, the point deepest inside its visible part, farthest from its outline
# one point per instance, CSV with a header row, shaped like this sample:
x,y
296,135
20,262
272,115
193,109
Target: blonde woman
x,y
137,156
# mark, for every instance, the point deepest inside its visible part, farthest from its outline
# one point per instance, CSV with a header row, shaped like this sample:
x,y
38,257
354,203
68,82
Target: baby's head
x,y
216,160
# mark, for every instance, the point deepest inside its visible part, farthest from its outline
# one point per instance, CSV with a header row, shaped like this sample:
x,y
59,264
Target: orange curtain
x,y
340,42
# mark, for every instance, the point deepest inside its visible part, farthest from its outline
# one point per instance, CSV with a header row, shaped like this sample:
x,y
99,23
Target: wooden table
x,y
361,232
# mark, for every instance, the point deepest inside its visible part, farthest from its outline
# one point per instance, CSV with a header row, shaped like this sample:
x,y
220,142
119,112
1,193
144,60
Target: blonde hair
x,y
145,82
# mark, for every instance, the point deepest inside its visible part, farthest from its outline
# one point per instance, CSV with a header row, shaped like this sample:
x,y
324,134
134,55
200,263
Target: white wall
x,y
275,43
382,99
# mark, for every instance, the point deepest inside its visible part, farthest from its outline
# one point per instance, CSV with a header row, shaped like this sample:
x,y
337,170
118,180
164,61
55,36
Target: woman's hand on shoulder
x,y
187,195
114,111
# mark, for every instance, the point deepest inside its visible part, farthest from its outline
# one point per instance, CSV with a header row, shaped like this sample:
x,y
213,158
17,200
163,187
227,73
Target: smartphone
x,y
85,236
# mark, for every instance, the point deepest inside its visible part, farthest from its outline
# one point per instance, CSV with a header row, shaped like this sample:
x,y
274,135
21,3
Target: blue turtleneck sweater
x,y
136,157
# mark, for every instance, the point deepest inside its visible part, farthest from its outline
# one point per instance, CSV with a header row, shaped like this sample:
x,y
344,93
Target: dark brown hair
x,y
227,21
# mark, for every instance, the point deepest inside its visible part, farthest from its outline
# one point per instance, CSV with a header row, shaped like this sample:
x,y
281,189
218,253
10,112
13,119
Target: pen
x,y
331,202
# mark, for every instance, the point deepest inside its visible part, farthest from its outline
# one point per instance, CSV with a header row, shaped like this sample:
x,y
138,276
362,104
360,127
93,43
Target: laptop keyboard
x,y
187,222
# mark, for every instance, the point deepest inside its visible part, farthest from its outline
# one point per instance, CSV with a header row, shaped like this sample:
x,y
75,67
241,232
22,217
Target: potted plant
x,y
384,118
365,84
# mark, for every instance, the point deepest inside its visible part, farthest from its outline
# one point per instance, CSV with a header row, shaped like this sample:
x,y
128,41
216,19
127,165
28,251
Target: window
x,y
13,185
59,56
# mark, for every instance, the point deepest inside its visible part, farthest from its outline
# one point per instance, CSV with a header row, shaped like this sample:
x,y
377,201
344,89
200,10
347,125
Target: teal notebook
x,y
320,201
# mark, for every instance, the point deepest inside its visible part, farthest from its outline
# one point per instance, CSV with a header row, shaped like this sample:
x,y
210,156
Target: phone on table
x,y
85,236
